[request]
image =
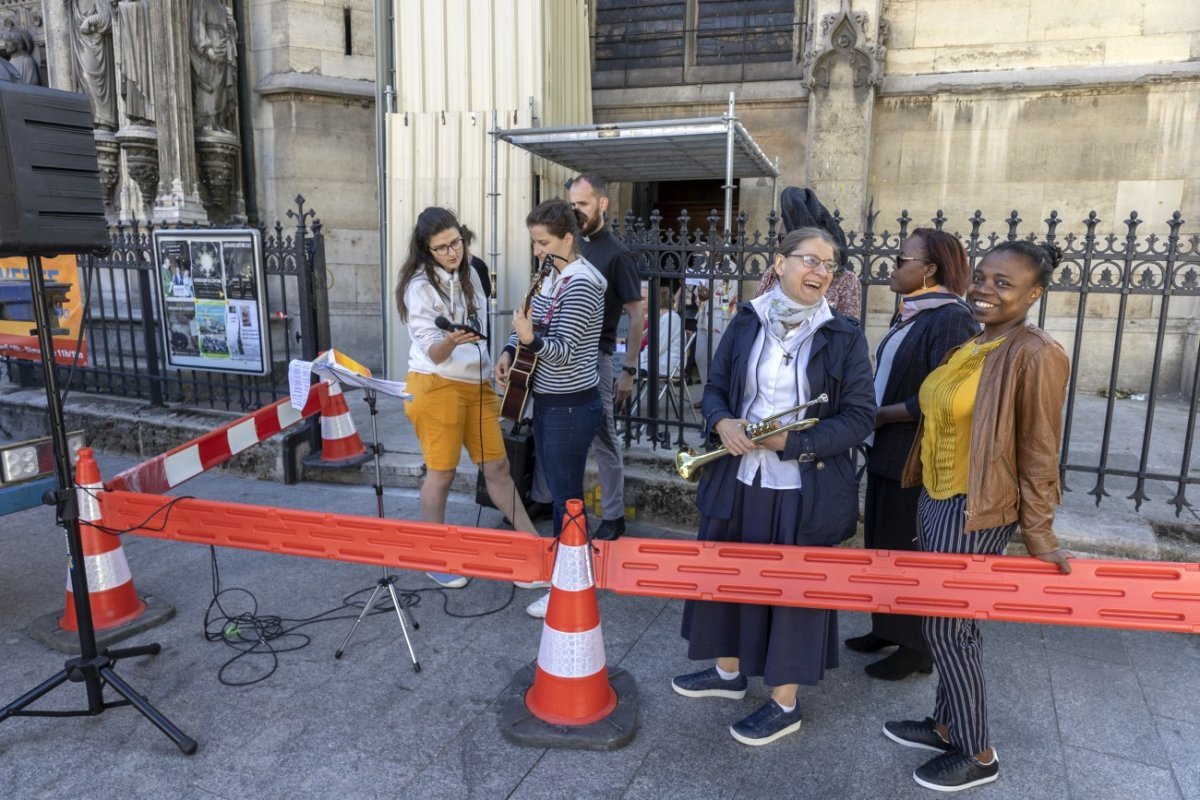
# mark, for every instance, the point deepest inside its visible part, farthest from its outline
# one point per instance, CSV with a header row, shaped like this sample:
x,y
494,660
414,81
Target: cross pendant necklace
x,y
787,358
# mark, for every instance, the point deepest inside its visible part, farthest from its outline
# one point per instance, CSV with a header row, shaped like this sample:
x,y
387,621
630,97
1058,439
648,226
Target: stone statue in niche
x,y
91,44
212,41
17,46
133,59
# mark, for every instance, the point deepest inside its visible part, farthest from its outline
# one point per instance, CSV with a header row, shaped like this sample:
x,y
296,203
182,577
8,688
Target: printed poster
x,y
212,302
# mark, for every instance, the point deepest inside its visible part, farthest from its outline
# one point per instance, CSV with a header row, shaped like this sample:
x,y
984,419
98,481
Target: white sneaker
x,y
531,584
448,581
538,607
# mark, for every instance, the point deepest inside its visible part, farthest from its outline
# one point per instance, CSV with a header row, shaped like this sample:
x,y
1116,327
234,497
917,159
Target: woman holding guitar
x,y
560,324
449,373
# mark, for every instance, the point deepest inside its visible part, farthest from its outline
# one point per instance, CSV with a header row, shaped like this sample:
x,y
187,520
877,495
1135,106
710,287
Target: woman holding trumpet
x,y
782,350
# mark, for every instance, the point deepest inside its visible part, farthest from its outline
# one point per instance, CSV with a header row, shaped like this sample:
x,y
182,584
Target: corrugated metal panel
x,y
456,61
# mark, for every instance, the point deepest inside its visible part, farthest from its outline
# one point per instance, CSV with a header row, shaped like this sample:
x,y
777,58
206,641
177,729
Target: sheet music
x,y
332,366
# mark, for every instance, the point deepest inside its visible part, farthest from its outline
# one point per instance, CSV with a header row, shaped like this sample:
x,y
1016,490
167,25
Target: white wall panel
x,y
456,61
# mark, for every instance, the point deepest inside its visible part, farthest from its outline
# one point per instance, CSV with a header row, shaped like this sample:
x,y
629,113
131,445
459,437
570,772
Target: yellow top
x,y
947,400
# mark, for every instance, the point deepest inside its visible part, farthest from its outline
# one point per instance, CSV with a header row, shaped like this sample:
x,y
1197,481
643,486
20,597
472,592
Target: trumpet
x,y
688,462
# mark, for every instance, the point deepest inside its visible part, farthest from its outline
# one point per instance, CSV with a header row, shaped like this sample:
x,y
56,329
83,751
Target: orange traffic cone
x,y
110,585
341,445
571,702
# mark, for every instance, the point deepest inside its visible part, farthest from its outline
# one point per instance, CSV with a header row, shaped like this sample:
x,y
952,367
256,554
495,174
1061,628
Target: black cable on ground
x,y
269,636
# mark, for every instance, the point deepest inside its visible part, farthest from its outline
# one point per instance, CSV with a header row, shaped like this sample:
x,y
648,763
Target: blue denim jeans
x,y
562,436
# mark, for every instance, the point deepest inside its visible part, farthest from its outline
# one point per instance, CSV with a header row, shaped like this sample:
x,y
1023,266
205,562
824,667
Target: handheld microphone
x,y
445,324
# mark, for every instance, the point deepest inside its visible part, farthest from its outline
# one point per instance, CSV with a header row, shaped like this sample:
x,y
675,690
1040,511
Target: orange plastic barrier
x,y
1157,596
1146,595
478,552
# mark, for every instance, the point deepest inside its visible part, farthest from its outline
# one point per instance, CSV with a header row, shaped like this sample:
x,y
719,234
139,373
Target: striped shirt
x,y
571,306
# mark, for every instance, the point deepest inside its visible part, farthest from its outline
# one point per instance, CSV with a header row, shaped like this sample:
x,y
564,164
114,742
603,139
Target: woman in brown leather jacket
x,y
986,459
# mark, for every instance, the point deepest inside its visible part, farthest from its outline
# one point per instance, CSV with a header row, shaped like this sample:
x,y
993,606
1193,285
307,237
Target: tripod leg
x,y
404,628
134,652
44,688
366,610
181,740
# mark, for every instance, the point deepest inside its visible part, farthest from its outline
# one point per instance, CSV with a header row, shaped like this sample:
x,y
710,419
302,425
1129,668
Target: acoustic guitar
x,y
520,374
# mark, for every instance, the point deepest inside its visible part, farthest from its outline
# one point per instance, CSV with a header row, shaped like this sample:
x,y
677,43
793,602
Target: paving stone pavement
x,y
1075,713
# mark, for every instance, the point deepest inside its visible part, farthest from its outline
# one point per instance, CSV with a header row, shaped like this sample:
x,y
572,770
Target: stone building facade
x,y
892,104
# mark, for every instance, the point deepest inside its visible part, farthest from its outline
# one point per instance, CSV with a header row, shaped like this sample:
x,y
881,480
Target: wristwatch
x,y
631,370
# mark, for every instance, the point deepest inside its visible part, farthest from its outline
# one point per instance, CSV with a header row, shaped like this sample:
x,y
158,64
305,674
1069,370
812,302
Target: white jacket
x,y
467,363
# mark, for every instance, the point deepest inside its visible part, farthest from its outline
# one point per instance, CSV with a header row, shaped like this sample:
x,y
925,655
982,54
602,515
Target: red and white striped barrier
x,y
185,462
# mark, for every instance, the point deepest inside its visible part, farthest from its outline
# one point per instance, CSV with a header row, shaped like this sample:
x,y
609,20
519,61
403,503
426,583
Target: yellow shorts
x,y
449,414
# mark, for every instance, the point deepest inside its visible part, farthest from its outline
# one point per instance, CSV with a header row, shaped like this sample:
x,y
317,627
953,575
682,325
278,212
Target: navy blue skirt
x,y
782,644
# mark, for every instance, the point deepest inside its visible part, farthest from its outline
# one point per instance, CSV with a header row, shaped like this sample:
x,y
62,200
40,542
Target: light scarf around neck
x,y
924,300
786,315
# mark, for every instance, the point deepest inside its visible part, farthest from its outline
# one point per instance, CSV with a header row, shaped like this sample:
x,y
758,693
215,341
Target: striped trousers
x,y
955,644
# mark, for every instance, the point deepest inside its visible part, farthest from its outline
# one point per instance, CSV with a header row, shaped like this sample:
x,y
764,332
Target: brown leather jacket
x,y
1016,433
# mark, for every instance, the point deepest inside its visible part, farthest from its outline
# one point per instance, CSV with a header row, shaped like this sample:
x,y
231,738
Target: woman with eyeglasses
x,y
930,276
450,373
782,350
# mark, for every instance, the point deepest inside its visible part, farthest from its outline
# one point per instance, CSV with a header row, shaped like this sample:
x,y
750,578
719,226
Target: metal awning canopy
x,y
658,150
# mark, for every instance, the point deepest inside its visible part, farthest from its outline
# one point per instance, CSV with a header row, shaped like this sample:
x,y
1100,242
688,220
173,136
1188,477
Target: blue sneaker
x,y
766,725
447,580
707,683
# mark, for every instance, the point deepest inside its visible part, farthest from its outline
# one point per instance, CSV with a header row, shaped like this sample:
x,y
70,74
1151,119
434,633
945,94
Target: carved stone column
x,y
218,155
58,44
139,143
179,185
842,67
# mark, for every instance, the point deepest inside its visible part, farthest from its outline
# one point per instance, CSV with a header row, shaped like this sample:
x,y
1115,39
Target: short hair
x,y
799,236
1043,258
946,252
598,184
557,217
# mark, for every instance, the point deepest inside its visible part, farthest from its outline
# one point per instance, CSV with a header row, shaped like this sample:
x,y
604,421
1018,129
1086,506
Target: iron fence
x,y
1124,306
123,333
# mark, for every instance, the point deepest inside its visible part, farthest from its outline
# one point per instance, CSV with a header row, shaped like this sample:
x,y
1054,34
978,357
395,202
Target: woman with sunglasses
x,y
930,276
450,372
782,350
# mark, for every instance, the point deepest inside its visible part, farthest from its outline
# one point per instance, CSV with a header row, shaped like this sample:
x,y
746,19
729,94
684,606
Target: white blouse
x,y
777,381
467,363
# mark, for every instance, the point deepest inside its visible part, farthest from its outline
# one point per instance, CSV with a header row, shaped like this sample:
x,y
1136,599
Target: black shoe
x,y
899,665
539,511
954,771
921,734
867,643
610,529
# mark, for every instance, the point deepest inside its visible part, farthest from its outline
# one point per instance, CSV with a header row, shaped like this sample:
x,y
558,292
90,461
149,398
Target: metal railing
x,y
122,328
1123,307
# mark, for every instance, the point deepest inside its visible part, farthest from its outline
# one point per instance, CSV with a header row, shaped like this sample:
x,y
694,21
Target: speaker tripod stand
x,y
93,668
386,582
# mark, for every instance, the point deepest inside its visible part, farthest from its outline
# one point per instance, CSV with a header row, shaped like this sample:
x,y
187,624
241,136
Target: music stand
x,y
93,668
386,582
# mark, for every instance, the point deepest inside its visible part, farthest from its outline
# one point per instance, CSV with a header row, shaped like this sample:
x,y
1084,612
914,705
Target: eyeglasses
x,y
444,250
901,259
812,262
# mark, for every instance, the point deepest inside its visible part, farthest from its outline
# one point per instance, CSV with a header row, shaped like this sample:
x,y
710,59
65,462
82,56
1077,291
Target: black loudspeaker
x,y
519,447
50,195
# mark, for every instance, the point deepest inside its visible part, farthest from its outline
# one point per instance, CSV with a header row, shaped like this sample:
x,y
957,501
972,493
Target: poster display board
x,y
211,300
17,336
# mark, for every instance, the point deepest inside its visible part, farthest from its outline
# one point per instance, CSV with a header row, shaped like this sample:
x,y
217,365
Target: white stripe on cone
x,y
89,502
105,571
572,568
571,655
338,426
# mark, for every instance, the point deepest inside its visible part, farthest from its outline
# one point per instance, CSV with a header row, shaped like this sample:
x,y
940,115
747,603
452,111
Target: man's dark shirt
x,y
615,263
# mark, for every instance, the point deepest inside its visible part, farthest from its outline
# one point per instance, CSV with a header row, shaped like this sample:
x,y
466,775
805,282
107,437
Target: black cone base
x,y
520,726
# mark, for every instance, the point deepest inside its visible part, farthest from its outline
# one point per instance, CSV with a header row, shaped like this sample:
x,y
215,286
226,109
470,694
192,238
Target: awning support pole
x,y
730,122
493,213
